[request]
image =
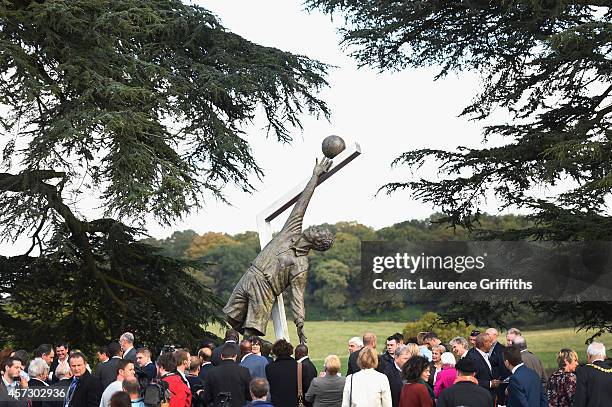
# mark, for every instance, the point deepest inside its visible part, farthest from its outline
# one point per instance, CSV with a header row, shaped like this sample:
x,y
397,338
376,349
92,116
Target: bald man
x,y
205,355
498,368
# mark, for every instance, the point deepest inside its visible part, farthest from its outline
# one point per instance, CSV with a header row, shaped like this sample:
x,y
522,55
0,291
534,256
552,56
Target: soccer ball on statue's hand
x,y
332,146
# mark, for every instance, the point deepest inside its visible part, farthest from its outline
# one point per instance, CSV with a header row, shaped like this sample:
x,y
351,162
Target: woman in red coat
x,y
416,392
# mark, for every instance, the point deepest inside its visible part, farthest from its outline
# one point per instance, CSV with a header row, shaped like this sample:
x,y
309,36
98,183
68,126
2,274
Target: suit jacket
x,y
593,385
496,359
309,372
216,354
228,377
532,362
484,375
106,372
499,370
465,394
395,382
525,389
282,376
388,358
131,355
195,384
256,365
150,370
8,401
34,383
88,391
353,368
204,369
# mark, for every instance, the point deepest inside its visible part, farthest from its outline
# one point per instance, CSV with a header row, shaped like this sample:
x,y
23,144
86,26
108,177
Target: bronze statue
x,y
282,263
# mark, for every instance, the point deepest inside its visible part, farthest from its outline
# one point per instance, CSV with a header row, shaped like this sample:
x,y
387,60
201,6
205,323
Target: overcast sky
x,y
386,113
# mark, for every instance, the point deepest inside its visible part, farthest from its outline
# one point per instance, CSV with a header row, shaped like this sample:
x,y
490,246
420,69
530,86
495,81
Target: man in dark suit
x,y
465,392
369,341
393,371
85,389
205,355
106,372
525,388
228,377
231,337
479,356
309,371
594,380
38,370
392,344
126,341
498,368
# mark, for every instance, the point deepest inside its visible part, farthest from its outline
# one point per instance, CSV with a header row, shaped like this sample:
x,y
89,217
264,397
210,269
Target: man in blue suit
x,y
525,388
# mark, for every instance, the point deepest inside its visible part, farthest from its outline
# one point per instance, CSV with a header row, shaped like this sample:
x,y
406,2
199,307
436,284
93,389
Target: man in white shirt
x,y
183,360
480,357
125,370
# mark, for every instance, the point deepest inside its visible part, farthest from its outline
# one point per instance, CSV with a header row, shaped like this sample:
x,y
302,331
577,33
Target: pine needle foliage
x,y
137,105
548,63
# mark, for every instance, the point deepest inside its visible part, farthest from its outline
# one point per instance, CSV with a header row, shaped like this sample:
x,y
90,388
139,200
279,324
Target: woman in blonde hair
x,y
367,387
327,390
561,386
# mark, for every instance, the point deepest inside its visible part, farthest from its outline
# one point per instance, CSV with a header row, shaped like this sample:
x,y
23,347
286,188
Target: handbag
x,y
300,393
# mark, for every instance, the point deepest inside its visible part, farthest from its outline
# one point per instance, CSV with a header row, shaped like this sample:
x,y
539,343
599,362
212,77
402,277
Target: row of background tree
x,y
333,279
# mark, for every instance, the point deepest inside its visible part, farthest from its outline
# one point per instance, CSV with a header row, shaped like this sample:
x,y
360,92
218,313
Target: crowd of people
x,y
422,371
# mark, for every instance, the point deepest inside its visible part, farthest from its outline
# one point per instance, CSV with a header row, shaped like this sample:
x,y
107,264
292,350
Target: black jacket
x,y
106,372
131,355
498,368
484,375
216,353
88,391
309,372
8,401
388,358
282,376
195,384
204,369
395,382
353,368
465,394
594,385
37,383
228,377
150,370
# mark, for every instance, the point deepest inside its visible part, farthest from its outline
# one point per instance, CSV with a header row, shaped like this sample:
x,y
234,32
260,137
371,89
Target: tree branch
x,y
32,183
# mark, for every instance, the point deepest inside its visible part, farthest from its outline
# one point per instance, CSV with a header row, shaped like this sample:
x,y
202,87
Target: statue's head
x,y
319,237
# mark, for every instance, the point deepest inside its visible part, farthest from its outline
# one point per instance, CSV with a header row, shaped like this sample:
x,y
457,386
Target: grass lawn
x,y
331,337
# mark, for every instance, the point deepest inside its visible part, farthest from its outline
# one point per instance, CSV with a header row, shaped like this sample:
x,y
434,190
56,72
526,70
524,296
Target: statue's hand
x,y
300,333
323,166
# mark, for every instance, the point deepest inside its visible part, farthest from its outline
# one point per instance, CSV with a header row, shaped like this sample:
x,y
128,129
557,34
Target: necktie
x,y
71,390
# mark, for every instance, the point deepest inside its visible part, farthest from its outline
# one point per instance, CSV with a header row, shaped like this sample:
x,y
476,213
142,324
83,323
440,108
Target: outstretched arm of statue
x,y
298,285
294,222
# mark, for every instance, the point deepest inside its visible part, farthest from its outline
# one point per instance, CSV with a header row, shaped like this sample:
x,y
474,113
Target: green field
x,y
331,337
